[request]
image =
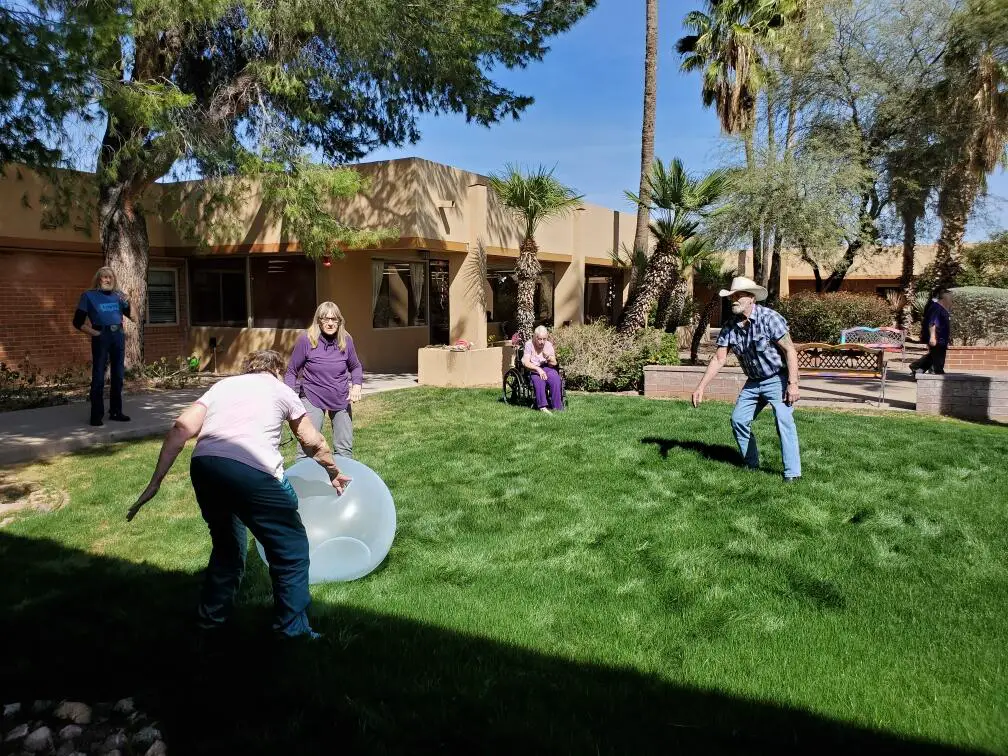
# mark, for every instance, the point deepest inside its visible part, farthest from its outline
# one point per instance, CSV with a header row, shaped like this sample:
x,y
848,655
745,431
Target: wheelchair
x,y
518,390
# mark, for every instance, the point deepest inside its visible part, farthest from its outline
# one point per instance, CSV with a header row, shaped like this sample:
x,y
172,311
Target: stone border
x,y
966,396
974,358
679,381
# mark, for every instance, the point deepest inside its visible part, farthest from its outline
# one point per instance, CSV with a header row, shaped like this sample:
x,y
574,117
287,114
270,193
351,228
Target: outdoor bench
x,y
842,361
887,338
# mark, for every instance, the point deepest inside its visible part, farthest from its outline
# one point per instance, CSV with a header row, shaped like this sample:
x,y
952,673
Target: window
x,y
283,291
162,296
502,307
217,286
398,294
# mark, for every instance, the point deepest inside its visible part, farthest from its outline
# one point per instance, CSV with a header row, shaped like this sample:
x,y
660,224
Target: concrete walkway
x,y
27,435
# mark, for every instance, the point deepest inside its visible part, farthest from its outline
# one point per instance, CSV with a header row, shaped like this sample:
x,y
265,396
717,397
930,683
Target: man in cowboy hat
x,y
759,337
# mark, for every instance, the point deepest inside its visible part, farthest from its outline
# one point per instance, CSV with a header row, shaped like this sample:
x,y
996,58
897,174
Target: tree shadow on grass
x,y
77,625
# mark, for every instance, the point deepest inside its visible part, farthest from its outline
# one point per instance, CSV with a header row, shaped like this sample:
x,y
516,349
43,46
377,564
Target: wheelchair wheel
x,y
513,387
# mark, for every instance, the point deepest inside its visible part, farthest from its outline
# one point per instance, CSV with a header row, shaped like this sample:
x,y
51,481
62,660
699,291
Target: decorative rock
x,y
11,709
67,749
17,733
39,741
124,706
70,732
114,742
74,711
145,738
41,705
158,749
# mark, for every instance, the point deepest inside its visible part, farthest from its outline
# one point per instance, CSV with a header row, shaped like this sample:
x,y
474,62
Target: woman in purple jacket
x,y
330,373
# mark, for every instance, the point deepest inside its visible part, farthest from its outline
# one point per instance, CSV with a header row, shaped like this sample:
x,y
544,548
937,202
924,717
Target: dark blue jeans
x,y
108,348
231,496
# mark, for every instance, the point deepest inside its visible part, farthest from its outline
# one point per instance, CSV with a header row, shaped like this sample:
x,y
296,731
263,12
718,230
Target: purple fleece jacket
x,y
326,371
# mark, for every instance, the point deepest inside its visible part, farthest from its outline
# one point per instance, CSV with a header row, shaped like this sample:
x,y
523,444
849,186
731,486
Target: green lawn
x,y
604,580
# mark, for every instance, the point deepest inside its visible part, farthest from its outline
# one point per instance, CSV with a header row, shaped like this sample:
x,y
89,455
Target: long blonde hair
x,y
96,281
330,310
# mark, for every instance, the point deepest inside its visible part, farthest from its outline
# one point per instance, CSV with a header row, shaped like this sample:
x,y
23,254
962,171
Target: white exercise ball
x,y
348,534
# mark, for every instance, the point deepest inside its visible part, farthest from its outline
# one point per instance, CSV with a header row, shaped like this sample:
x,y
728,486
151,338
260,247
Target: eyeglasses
x,y
328,320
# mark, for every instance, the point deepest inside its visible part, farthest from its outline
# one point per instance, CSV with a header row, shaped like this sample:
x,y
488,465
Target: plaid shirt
x,y
755,345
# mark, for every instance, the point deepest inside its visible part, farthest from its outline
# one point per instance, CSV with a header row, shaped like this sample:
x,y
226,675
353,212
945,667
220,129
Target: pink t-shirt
x,y
244,417
536,358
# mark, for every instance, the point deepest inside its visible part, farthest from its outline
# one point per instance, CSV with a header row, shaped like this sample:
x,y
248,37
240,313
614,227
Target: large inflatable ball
x,y
348,535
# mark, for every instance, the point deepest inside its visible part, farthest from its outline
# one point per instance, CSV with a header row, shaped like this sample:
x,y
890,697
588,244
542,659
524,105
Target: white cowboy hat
x,y
741,283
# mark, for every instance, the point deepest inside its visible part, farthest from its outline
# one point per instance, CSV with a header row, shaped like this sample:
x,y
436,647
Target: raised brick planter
x,y
971,397
679,381
982,358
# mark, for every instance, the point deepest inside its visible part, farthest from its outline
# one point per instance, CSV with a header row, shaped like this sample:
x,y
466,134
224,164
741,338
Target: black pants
x,y
107,348
934,360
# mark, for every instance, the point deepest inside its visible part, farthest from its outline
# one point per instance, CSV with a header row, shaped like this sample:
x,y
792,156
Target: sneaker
x,y
792,480
547,410
119,417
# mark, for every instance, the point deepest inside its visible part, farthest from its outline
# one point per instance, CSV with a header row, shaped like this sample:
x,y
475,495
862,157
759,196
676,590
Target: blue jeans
x,y
755,396
108,348
231,496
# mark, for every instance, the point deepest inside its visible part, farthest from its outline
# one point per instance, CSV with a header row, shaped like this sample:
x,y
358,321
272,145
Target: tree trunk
x,y
774,279
677,303
664,310
126,249
658,277
955,202
705,318
905,315
836,277
647,130
527,270
806,257
756,235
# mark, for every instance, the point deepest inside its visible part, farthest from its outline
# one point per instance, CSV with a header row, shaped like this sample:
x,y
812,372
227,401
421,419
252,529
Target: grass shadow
x,y
95,628
714,452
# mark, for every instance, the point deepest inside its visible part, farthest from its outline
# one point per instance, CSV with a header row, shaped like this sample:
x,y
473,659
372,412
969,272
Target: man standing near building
x,y
759,338
937,326
104,305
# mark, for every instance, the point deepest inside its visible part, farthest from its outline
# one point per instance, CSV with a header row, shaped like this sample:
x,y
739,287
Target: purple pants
x,y
555,383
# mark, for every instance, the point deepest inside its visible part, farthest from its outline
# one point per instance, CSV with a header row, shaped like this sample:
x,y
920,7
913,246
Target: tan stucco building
x,y
447,276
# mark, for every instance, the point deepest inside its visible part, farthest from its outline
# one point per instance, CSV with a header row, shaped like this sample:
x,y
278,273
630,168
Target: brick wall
x,y
977,359
37,302
972,397
679,381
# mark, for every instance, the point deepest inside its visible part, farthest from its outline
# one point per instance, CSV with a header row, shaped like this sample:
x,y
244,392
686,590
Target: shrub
x,y
821,317
162,375
25,387
978,315
596,358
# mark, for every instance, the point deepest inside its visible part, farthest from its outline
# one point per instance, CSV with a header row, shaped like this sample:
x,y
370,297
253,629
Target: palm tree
x,y
711,274
647,128
976,96
723,46
728,45
671,303
532,198
678,203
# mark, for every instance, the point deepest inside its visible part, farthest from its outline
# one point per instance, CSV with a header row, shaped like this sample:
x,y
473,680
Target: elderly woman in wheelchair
x,y
536,375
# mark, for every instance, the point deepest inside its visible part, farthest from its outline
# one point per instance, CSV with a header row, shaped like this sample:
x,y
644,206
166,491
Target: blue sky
x,y
587,116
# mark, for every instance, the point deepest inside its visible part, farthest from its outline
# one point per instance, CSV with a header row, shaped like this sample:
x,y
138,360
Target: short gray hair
x,y
264,361
541,331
